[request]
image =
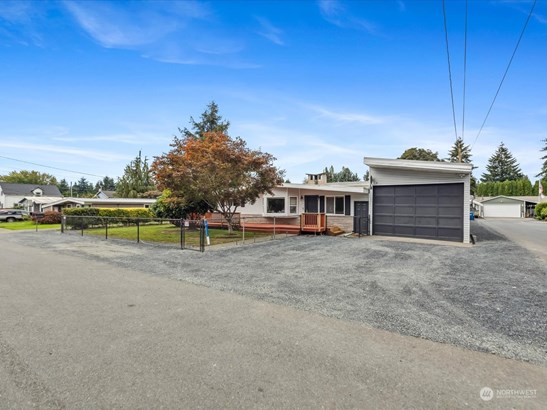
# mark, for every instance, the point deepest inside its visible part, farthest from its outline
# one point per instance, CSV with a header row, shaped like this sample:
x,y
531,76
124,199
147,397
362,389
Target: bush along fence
x,y
541,211
137,225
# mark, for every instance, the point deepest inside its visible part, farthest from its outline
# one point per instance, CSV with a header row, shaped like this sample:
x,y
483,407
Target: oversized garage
x,y
419,199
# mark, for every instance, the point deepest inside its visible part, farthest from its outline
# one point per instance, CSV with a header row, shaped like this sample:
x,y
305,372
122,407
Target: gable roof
x,y
533,199
26,189
107,194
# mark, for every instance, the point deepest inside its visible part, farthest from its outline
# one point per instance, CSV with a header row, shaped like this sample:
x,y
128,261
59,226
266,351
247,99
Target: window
x,y
275,205
335,205
292,204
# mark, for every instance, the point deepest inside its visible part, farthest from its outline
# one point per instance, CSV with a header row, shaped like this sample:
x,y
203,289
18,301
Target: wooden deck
x,y
309,223
259,227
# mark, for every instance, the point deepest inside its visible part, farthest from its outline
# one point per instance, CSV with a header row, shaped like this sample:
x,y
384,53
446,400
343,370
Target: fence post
x,y
63,220
274,228
182,234
202,236
243,226
106,229
138,232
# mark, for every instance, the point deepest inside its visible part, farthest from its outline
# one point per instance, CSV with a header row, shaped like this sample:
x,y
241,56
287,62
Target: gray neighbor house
x,y
35,194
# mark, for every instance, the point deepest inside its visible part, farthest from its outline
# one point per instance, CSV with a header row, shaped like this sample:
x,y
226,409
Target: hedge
x,y
541,211
101,216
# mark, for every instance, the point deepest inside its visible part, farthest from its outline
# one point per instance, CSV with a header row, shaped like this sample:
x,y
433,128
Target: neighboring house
x,y
506,206
35,204
105,194
12,194
63,203
336,203
420,199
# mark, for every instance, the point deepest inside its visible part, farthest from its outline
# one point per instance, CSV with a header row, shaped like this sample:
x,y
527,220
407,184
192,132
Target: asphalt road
x,y
529,233
79,333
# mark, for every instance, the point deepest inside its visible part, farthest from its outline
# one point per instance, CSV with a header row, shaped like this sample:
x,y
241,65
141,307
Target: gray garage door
x,y
421,211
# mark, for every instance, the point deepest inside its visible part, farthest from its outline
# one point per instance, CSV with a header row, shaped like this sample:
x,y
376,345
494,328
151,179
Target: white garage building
x,y
419,199
505,206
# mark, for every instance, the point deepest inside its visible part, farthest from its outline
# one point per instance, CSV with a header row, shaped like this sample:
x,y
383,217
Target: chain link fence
x,y
180,233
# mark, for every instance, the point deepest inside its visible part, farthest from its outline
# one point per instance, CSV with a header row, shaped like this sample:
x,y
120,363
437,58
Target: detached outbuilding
x,y
506,206
419,199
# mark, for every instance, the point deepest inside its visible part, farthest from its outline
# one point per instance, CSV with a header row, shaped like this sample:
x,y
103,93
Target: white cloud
x,y
113,26
169,32
365,119
72,151
131,139
269,31
335,13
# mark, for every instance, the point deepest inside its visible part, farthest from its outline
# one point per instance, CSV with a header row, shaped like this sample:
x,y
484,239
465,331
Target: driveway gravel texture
x,y
490,297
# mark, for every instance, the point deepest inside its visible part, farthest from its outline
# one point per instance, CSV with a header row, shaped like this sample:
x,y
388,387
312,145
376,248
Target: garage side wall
x,y
389,176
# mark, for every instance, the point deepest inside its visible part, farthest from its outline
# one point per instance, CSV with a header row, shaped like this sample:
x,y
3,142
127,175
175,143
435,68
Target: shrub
x,y
50,217
102,216
541,210
86,217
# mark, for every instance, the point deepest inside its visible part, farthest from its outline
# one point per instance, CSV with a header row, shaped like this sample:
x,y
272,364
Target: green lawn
x,y
171,234
26,225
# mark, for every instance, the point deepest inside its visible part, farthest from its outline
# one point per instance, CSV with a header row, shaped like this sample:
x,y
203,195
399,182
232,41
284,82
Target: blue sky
x,y
85,85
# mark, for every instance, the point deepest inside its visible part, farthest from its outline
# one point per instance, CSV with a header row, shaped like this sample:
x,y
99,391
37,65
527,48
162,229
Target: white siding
x,y
10,200
259,207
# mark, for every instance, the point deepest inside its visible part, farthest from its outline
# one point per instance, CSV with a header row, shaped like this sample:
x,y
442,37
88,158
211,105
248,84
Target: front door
x,y
311,203
360,217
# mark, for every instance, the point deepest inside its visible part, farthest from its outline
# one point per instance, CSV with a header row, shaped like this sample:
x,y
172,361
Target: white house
x,y
420,199
339,202
12,194
63,203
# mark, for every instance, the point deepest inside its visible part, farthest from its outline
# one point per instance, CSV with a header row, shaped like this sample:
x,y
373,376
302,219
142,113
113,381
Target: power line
x,y
464,68
449,70
48,166
506,71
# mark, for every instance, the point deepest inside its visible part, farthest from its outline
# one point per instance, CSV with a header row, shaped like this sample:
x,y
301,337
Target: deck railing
x,y
313,222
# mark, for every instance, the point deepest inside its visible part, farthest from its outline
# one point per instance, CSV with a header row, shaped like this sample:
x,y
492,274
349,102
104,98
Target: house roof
x,y
39,199
533,199
26,189
355,187
109,194
108,201
412,165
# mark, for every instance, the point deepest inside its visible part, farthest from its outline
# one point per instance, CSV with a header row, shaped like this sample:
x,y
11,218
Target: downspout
x,y
370,204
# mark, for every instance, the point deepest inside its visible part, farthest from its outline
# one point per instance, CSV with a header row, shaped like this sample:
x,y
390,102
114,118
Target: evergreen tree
x,y
82,188
345,175
543,172
106,184
210,121
64,187
502,166
136,180
460,152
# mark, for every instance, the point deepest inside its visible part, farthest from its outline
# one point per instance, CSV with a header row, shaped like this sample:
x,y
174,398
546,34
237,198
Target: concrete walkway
x,y
75,333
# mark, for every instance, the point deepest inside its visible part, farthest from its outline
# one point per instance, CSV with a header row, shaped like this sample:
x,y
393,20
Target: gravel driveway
x,y
490,297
